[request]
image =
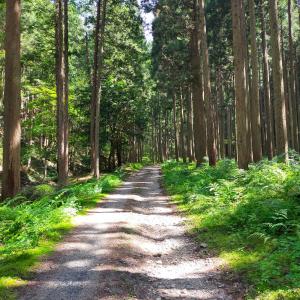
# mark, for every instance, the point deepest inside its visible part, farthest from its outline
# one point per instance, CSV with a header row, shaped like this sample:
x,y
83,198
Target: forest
x,y
135,127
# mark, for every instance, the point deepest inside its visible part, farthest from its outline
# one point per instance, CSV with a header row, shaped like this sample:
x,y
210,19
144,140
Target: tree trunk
x,y
175,127
280,108
240,86
189,116
160,150
96,88
66,115
12,102
211,138
229,131
198,103
292,84
255,106
61,31
183,150
266,86
221,111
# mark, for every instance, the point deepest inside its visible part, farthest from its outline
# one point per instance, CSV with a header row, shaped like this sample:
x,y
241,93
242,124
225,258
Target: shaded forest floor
x,y
251,219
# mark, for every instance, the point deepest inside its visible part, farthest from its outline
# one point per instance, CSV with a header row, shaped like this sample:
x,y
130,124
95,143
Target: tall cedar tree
x,y
96,88
197,87
61,33
211,138
240,85
255,105
266,85
292,83
279,98
12,101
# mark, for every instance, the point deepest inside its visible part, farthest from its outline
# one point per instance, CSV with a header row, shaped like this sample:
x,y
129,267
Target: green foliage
x,y
252,217
31,223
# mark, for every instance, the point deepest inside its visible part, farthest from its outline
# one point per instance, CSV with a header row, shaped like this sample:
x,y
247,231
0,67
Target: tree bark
x,y
190,141
198,103
221,111
292,83
211,137
175,127
61,32
12,101
240,86
182,140
255,106
96,88
280,107
266,86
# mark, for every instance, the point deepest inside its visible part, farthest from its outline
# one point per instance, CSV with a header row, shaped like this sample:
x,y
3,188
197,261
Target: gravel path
x,y
132,246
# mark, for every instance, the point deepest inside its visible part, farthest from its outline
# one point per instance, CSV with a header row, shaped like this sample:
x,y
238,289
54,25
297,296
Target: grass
x,y
250,218
32,223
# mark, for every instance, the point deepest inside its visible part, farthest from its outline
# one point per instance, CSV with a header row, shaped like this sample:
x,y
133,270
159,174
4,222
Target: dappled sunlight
x,y
132,245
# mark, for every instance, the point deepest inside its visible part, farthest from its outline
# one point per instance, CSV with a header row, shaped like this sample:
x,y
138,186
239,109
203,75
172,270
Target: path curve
x,y
132,246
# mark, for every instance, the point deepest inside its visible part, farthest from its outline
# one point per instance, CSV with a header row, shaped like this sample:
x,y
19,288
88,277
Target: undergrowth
x,y
33,222
252,218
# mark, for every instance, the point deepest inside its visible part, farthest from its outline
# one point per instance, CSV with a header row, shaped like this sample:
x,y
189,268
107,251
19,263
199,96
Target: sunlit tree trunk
x,y
12,102
280,108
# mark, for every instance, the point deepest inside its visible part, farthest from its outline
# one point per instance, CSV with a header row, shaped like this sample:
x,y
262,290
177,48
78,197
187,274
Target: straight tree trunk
x,y
229,131
255,106
190,127
62,91
292,83
66,116
160,151
183,150
240,86
287,98
12,102
211,137
280,108
245,48
96,88
221,114
198,102
175,127
266,86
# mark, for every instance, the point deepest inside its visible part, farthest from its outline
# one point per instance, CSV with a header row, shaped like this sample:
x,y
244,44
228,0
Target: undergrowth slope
x,y
251,217
33,222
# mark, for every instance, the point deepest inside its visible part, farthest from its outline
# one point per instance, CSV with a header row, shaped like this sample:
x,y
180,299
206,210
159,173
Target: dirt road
x,y
132,246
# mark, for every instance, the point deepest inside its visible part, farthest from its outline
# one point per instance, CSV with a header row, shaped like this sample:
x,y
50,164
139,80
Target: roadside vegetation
x,y
33,222
251,218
